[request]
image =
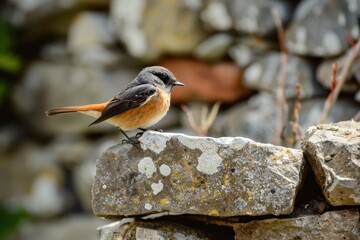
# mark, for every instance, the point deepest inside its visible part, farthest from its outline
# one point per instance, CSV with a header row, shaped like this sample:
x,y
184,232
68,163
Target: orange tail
x,y
91,107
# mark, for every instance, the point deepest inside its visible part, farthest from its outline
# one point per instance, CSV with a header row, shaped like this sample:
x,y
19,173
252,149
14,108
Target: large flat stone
x,y
330,225
180,174
333,151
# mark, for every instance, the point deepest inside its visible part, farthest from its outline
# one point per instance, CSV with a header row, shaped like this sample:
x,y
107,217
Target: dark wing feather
x,y
130,98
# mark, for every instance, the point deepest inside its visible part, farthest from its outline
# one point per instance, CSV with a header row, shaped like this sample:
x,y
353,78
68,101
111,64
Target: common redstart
x,y
142,103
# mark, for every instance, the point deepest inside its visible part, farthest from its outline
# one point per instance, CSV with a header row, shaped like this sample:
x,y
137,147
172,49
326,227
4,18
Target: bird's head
x,y
162,77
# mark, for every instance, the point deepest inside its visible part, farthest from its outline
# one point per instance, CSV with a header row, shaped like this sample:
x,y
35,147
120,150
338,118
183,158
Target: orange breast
x,y
144,116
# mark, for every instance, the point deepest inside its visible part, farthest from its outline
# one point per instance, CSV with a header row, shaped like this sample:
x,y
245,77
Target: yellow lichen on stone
x,y
214,212
164,201
217,193
226,180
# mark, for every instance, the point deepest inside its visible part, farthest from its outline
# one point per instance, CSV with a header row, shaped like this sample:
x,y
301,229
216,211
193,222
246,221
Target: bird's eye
x,y
162,76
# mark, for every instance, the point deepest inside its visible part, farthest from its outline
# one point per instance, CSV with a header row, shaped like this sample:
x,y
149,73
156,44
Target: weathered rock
x,y
321,28
80,227
69,150
214,48
10,136
324,74
41,13
216,16
47,85
342,224
258,120
84,172
263,75
90,40
357,96
40,189
221,81
55,51
130,229
255,17
311,110
152,28
333,151
247,49
180,174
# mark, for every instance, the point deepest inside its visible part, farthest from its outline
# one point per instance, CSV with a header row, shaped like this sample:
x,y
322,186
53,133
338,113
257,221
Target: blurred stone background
x,y
71,52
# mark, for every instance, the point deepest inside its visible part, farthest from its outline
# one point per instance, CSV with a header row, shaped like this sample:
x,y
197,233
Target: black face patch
x,y
163,77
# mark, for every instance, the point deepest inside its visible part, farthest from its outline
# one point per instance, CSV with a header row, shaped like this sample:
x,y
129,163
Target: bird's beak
x,y
177,83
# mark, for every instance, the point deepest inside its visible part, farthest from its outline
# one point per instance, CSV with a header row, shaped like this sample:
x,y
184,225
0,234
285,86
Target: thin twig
x,y
205,120
282,107
296,129
341,78
190,117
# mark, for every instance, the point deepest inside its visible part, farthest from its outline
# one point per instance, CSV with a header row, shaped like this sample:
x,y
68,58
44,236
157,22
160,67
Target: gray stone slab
x,y
181,174
333,151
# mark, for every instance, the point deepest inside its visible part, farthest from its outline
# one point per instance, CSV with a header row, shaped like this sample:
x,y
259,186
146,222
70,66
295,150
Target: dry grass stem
x,y
339,81
206,119
282,107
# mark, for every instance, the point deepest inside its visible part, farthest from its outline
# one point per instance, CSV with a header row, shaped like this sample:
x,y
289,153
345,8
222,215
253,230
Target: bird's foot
x,y
132,140
139,134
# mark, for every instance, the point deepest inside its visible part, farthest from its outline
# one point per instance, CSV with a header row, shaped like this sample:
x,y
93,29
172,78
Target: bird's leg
x,y
139,134
129,140
142,129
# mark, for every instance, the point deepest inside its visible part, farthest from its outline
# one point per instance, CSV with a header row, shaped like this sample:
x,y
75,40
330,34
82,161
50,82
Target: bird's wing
x,y
130,98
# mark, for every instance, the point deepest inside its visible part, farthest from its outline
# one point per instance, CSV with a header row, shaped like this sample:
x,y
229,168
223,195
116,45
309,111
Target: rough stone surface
x,y
130,229
357,96
84,172
342,224
247,49
90,39
142,27
254,16
80,227
214,47
333,151
215,16
180,174
311,110
40,190
250,125
263,75
261,120
321,28
27,12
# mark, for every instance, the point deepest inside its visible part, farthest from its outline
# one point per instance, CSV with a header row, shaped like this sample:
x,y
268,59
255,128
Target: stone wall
x,y
251,187
84,51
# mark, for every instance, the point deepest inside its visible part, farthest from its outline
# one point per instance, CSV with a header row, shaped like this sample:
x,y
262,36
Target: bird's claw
x,y
139,134
130,141
159,130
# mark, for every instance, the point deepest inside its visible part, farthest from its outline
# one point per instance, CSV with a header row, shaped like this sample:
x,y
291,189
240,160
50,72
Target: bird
x,y
140,104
